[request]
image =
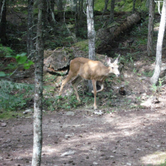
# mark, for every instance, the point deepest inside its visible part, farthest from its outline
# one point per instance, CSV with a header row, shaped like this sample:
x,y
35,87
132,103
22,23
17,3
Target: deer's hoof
x,y
95,107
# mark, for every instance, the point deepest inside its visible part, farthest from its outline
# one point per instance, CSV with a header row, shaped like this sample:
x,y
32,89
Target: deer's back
x,y
88,69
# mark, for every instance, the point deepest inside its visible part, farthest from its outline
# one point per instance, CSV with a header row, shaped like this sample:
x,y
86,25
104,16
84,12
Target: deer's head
x,y
113,66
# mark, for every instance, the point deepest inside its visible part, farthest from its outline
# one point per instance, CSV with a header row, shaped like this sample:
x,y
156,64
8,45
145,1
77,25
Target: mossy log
x,y
106,35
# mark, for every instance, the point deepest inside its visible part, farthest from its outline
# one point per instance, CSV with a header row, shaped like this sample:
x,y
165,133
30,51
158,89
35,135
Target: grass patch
x,y
8,115
83,45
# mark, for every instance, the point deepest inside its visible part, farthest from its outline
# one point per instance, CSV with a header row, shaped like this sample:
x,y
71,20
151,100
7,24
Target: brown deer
x,y
83,68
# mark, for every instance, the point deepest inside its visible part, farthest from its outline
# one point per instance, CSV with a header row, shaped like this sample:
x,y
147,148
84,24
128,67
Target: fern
x,y
7,51
14,95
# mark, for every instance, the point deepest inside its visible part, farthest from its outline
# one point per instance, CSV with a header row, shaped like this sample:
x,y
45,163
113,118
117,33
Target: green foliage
x,y
2,74
8,115
127,5
59,102
164,164
5,51
14,95
148,74
83,45
23,60
99,5
157,88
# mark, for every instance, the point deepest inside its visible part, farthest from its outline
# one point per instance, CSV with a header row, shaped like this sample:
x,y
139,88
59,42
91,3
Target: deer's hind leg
x,y
95,92
66,80
75,83
101,84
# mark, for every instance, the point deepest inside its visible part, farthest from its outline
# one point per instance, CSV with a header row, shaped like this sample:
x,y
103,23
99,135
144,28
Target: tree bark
x,y
37,118
79,18
59,4
105,6
157,70
112,11
105,36
150,49
30,45
91,29
3,22
91,35
134,1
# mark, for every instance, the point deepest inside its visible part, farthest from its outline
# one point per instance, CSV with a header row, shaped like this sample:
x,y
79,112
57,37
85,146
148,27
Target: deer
x,y
96,71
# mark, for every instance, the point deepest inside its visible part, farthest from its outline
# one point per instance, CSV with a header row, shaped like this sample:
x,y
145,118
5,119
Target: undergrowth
x,y
14,96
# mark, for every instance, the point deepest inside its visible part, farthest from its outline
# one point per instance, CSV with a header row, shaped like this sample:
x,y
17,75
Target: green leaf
x,y
28,64
2,74
21,58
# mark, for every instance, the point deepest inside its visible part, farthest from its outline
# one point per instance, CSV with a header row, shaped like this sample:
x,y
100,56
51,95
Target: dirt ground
x,y
83,138
127,135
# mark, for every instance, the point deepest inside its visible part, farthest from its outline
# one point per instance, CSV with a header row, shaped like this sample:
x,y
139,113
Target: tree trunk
x,y
50,12
150,49
30,45
105,6
105,36
134,5
157,70
3,38
112,11
91,29
59,4
79,18
37,121
91,34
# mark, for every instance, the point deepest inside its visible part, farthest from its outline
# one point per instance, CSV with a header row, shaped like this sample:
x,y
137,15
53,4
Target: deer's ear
x,y
117,59
107,60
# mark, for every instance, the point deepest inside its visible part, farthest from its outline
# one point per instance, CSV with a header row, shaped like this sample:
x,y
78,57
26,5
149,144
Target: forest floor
x,y
126,133
129,131
80,137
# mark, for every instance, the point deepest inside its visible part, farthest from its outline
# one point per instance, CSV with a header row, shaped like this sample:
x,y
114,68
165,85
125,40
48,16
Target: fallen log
x,y
106,35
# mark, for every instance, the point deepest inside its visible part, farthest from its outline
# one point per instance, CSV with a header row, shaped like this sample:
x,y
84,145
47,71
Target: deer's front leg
x,y
95,92
75,83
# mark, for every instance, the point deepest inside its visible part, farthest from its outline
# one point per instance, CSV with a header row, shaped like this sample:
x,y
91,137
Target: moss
x,y
99,5
83,45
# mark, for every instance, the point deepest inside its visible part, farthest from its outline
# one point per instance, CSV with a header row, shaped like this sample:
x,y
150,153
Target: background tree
x,y
3,21
105,6
157,70
91,29
91,34
150,49
30,25
78,17
59,4
134,1
112,11
38,105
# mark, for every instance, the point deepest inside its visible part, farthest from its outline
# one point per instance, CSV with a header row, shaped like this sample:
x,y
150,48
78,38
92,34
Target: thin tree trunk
x,y
91,34
30,45
134,5
3,38
150,49
105,6
2,5
157,70
91,29
59,4
112,11
37,121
